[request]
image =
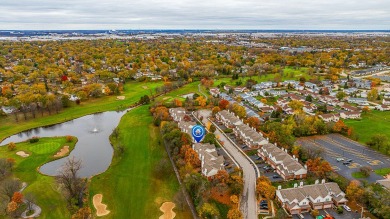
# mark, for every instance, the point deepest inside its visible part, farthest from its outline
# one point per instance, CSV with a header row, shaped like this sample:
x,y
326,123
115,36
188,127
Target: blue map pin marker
x,y
198,133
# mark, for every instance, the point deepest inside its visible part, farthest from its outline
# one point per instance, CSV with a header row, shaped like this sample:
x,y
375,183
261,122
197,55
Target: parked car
x,y
346,163
349,160
301,216
258,158
340,159
346,208
275,176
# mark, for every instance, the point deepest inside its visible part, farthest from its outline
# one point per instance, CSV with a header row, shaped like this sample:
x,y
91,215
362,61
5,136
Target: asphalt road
x,y
248,202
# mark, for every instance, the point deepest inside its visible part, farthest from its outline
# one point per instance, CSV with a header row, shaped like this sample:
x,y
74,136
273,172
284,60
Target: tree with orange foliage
x,y
177,102
192,158
17,197
207,82
340,126
223,104
201,100
221,177
318,166
354,191
265,188
365,109
185,139
12,206
296,150
215,110
184,149
234,213
253,122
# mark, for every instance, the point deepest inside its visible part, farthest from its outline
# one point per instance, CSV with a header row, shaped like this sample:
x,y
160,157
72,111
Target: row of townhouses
x,y
307,197
285,165
211,162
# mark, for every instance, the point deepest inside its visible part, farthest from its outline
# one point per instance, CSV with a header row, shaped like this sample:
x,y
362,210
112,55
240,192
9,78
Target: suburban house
x,y
287,166
304,198
329,117
228,119
359,101
384,182
214,92
350,115
177,114
382,107
249,136
386,101
211,162
349,108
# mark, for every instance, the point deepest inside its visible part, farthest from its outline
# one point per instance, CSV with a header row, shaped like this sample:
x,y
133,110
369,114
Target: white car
x,y
346,208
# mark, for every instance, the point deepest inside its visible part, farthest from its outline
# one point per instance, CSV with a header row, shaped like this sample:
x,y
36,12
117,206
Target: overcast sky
x,y
194,14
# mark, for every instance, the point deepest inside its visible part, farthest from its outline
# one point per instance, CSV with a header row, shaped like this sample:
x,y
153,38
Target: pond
x,y
93,146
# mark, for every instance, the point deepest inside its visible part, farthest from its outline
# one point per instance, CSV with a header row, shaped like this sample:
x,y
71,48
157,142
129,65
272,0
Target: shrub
x,y
34,139
228,130
339,210
315,213
69,138
11,146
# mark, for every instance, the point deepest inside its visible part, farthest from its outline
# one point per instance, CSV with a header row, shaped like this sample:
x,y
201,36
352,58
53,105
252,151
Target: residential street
x,y
248,201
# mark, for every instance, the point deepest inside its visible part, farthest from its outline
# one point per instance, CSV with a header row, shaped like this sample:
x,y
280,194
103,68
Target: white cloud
x,y
194,14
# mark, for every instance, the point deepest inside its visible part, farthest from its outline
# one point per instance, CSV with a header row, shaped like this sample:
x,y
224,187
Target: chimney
x,y
295,185
279,187
323,181
300,184
305,166
294,156
317,181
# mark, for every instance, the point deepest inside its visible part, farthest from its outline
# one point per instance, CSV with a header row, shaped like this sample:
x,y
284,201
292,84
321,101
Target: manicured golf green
x,y
371,123
128,187
132,92
44,188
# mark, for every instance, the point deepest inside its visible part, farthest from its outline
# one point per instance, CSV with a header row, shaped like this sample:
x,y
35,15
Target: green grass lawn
x,y
129,188
43,187
371,123
383,171
358,175
132,91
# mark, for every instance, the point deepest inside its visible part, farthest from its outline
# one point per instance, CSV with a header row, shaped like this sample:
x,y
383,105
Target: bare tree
x,y
29,199
72,184
5,168
9,187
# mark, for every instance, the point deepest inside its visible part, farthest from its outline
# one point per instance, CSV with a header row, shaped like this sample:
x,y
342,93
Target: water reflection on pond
x,y
93,146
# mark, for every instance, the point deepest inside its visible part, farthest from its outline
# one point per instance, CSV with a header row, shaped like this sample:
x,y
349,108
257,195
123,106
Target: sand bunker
x,y
64,150
166,98
120,97
167,209
101,209
22,154
145,87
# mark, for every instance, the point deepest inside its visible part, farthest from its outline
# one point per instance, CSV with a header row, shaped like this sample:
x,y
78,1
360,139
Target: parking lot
x,y
333,213
338,150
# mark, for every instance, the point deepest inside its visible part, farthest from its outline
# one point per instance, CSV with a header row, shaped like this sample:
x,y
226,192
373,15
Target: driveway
x,y
248,202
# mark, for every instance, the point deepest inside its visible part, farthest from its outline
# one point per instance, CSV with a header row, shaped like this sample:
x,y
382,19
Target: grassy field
x,y
132,91
383,171
43,187
129,188
371,123
358,175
